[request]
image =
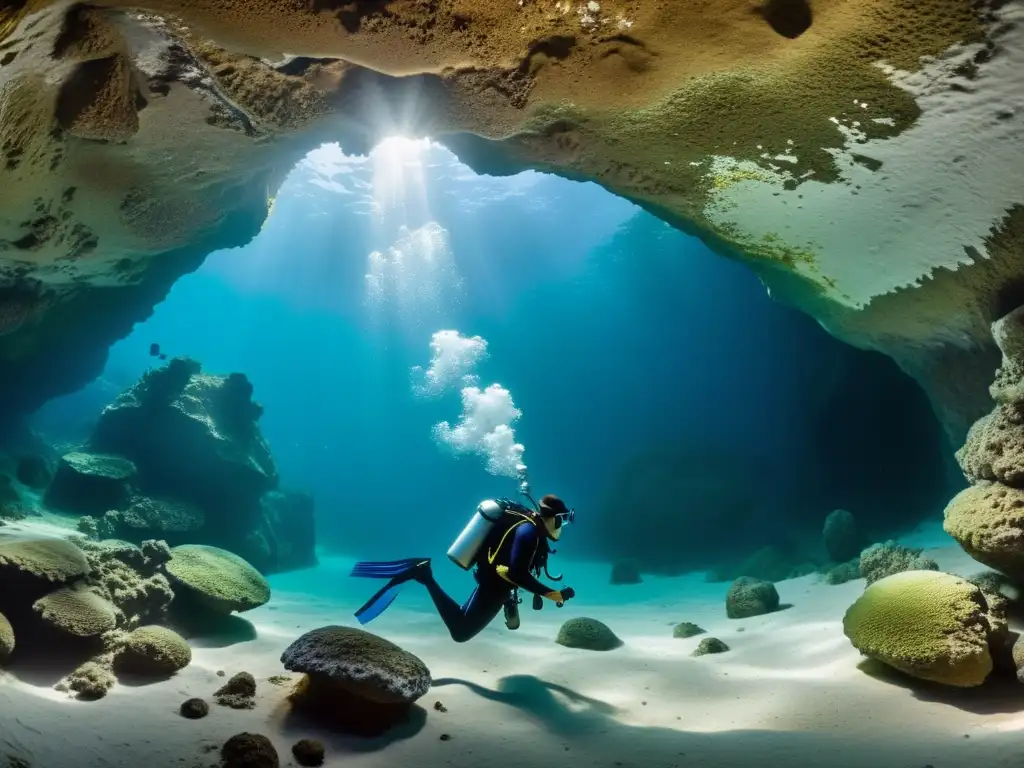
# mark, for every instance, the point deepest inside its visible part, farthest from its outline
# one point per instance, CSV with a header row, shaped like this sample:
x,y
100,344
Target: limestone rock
x,y
750,597
987,520
223,581
928,624
146,518
90,483
90,681
194,709
238,693
587,634
131,579
152,651
370,666
288,533
195,438
687,629
308,752
52,559
77,610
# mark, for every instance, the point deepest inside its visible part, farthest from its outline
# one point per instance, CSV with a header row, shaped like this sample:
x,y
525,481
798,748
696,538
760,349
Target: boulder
x,y
51,559
77,610
927,624
710,645
222,581
194,438
286,540
361,682
887,558
152,651
6,639
840,535
90,483
249,750
750,597
587,634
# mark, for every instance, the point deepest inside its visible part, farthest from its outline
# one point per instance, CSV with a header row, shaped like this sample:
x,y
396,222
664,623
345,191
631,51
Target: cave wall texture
x,y
862,156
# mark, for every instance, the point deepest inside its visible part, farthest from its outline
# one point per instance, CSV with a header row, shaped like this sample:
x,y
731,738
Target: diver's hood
x,y
553,526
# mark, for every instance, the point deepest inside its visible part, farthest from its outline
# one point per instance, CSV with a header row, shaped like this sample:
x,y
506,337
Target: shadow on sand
x,y
999,695
203,629
295,724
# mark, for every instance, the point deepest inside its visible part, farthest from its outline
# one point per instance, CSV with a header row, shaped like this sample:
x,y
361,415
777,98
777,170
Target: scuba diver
x,y
508,543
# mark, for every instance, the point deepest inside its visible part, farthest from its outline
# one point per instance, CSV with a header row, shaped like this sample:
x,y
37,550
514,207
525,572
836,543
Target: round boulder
x,y
362,683
840,535
52,559
90,483
927,624
750,597
587,634
221,580
687,629
77,610
710,645
249,750
987,520
152,651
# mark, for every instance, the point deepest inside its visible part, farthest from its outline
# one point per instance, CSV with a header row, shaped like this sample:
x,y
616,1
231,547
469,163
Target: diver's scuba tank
x,y
465,549
467,546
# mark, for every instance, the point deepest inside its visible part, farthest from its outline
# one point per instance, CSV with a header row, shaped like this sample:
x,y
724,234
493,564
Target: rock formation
x,y
161,129
179,457
987,518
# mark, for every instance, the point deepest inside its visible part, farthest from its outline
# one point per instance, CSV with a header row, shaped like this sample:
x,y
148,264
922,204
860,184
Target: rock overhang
x,y
861,157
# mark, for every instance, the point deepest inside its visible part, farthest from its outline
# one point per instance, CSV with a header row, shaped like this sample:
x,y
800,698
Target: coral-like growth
x,y
687,629
986,518
77,610
90,483
710,645
52,559
249,750
238,693
152,651
131,579
222,581
887,558
928,624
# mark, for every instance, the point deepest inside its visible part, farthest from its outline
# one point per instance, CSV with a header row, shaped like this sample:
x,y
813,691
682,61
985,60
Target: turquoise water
x,y
626,346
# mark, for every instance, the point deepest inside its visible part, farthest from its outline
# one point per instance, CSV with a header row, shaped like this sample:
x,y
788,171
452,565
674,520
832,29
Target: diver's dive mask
x,y
555,522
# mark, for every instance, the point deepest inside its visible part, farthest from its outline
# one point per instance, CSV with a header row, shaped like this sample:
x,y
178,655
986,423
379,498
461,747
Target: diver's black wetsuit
x,y
520,558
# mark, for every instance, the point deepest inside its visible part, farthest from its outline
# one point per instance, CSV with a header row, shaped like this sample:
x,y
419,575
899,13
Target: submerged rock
x,y
194,709
7,640
888,558
77,610
90,483
750,597
51,559
587,634
308,752
841,537
844,572
287,538
90,681
687,629
710,645
249,750
927,624
152,651
239,692
359,681
221,580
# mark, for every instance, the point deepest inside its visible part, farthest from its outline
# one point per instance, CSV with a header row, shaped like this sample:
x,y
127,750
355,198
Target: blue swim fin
x,y
398,572
385,570
379,603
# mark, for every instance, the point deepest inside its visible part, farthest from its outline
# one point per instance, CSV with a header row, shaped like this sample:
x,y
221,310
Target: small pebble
x,y
445,737
438,706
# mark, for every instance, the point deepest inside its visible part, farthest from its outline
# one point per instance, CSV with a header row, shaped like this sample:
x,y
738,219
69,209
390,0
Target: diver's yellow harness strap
x,y
502,570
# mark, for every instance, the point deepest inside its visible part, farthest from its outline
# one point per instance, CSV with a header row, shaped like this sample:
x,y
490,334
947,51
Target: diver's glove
x,y
559,596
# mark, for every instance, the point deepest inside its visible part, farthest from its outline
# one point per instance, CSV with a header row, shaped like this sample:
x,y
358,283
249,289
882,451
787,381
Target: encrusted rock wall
x,y
863,157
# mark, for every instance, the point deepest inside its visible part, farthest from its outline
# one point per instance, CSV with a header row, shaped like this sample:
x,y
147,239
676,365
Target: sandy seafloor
x,y
790,692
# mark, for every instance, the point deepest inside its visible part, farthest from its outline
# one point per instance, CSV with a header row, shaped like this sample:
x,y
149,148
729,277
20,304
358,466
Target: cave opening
x,y
690,418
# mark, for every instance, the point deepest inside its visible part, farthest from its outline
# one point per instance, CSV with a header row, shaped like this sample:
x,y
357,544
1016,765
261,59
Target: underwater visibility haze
x,y
415,371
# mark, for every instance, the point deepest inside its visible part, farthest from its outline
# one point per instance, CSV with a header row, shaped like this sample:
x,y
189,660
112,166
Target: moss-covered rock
x,y
687,629
131,579
77,610
844,572
987,520
587,634
223,581
152,651
52,559
927,624
710,645
249,750
750,597
90,483
90,681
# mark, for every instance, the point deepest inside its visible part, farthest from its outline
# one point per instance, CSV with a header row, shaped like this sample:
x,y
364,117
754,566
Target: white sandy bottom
x,y
790,692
